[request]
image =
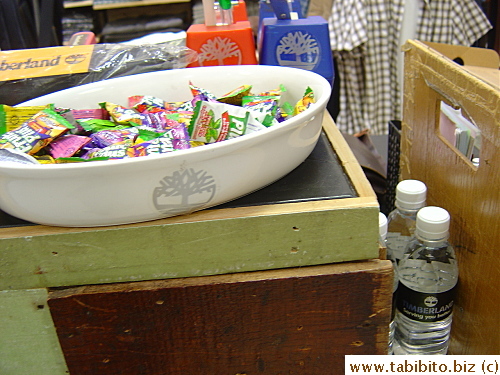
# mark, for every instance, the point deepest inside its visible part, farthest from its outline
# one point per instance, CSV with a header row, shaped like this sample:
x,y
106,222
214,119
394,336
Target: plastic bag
x,y
106,61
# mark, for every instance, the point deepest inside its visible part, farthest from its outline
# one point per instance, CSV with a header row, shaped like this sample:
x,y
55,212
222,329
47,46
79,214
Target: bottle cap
x,y
433,223
382,225
411,194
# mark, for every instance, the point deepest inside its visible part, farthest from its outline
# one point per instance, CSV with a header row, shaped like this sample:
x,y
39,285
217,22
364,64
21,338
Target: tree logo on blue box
x,y
298,50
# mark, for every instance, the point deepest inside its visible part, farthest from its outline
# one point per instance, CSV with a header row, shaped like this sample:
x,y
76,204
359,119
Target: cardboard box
x,y
469,192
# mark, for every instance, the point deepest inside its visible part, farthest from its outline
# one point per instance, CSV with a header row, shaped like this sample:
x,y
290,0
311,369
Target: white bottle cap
x,y
433,223
411,194
382,225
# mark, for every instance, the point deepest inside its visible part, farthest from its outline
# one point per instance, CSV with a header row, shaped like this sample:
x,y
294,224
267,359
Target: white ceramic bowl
x,y
152,187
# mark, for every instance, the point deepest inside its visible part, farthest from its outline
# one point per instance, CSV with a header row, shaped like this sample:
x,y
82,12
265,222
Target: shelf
x,y
78,4
124,4
130,4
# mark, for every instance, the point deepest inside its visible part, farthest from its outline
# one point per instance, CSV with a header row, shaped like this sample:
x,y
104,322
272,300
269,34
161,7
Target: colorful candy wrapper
x,y
187,106
75,159
67,145
171,140
215,122
68,115
173,106
276,92
201,93
180,135
95,125
13,117
260,120
36,133
196,144
184,117
45,159
144,103
145,134
11,155
284,111
235,96
261,103
304,102
122,115
87,152
90,114
114,151
160,120
105,138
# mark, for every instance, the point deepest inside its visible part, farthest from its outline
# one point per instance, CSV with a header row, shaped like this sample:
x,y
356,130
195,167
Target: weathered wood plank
x,y
301,320
28,340
198,248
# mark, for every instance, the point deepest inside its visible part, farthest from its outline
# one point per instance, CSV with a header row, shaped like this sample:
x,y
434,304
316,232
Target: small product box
x,y
221,40
301,43
222,45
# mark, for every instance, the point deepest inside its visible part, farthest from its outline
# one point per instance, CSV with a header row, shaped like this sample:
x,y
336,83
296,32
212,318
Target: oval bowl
x,y
153,187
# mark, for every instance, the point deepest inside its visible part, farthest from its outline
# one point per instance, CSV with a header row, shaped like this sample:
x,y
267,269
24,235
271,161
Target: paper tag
x,y
41,62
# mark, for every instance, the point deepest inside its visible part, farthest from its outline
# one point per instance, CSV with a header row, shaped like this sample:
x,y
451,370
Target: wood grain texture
x,y
28,340
291,321
470,194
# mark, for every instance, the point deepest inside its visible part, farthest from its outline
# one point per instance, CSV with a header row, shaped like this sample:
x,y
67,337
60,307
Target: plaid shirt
x,y
364,37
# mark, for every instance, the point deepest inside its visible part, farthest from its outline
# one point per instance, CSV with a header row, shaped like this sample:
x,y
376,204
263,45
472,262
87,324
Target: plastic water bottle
x,y
410,197
428,275
382,229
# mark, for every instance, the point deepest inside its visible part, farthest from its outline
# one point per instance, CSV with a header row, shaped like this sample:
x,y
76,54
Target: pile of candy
x,y
147,126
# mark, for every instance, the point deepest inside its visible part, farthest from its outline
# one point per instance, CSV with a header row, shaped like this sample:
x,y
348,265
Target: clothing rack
x,y
30,23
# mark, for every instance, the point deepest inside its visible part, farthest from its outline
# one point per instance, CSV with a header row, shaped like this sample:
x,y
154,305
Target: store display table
x,y
248,286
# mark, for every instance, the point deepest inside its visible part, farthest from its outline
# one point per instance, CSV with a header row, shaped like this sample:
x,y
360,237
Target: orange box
x,y
240,12
222,45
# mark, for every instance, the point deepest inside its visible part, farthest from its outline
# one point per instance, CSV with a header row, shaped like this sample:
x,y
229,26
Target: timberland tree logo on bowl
x,y
298,50
184,190
220,51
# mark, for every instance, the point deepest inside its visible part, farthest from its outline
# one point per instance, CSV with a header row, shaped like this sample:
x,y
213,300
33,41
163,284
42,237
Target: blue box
x,y
303,43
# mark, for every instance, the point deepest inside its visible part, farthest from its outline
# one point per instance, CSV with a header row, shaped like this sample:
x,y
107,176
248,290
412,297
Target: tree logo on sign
x,y
220,51
299,50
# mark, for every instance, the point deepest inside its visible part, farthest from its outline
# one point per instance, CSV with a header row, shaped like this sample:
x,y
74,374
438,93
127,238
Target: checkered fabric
x,y
364,36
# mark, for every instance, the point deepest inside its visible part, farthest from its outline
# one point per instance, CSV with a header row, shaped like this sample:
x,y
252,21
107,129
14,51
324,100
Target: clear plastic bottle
x,y
428,275
410,197
382,229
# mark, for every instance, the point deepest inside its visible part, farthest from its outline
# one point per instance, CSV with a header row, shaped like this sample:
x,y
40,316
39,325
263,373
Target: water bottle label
x,y
424,307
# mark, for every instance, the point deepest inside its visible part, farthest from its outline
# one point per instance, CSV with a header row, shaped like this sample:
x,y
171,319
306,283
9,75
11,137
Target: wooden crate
x,y
469,193
291,321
